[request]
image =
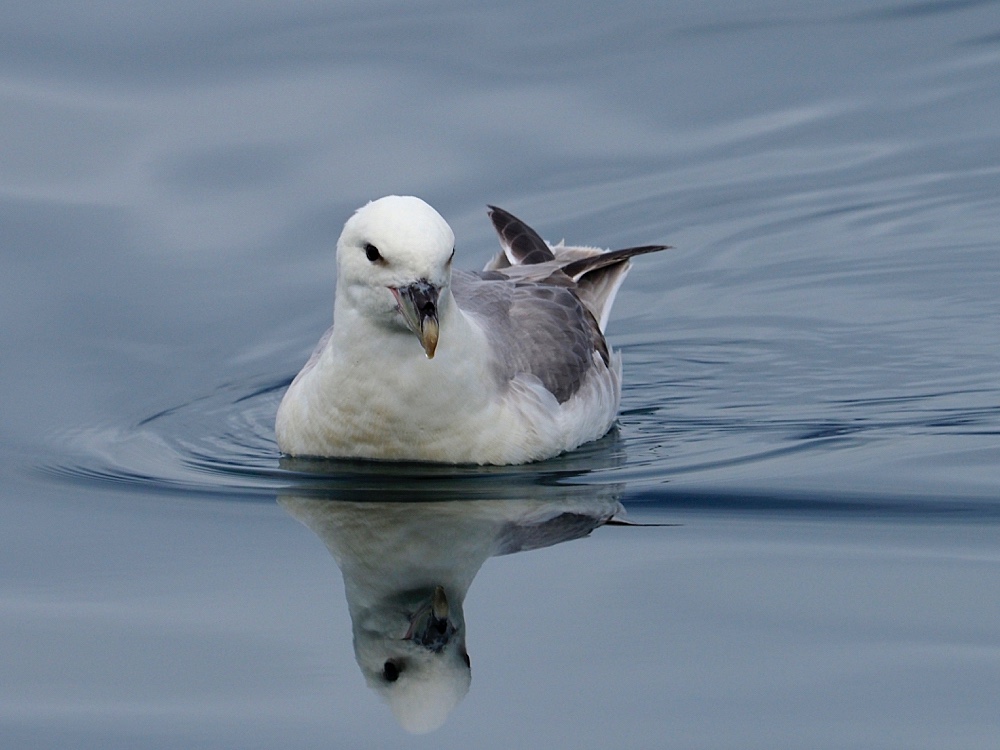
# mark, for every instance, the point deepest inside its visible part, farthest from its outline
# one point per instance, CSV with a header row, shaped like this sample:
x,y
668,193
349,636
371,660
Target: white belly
x,y
389,402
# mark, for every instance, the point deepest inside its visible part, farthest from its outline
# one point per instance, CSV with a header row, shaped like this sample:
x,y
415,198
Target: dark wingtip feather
x,y
613,257
525,244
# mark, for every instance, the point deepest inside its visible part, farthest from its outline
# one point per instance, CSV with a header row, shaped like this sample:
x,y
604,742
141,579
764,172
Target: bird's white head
x,y
394,265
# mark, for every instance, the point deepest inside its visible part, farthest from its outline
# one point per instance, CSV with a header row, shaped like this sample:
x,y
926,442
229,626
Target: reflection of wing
x,y
453,539
565,527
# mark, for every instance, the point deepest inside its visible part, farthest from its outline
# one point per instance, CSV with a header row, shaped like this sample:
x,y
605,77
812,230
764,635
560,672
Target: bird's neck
x,y
373,341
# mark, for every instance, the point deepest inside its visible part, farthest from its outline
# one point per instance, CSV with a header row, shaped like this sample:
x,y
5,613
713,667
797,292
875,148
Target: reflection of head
x,y
407,568
420,685
422,672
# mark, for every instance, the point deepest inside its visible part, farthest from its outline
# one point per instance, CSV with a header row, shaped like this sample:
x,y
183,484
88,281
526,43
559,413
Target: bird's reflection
x,y
408,562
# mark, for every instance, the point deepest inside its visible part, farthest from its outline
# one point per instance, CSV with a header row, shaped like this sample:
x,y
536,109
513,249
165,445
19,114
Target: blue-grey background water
x,y
811,392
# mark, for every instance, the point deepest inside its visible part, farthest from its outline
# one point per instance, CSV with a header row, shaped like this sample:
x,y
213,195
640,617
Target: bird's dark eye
x,y
372,253
391,670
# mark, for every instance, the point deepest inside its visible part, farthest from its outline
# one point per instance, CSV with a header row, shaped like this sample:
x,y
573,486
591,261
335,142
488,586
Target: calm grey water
x,y
811,402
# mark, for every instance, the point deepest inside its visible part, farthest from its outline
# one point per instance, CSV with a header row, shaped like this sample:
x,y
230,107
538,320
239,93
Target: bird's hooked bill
x,y
431,626
418,302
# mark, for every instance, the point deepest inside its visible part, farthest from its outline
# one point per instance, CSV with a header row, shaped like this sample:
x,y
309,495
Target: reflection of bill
x,y
407,567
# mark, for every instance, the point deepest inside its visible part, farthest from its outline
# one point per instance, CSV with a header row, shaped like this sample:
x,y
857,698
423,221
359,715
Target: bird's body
x,y
509,365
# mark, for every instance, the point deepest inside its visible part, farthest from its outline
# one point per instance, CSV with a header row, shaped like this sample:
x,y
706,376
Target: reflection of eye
x,y
466,659
391,670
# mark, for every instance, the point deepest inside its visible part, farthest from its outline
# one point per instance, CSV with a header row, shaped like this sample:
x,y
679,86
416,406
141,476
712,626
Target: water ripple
x,y
222,444
667,456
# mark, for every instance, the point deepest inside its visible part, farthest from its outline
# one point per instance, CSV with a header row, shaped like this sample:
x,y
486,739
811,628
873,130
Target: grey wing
x,y
565,527
594,275
316,352
534,328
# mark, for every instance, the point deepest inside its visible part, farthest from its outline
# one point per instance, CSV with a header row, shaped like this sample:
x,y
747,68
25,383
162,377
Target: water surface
x,y
810,375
